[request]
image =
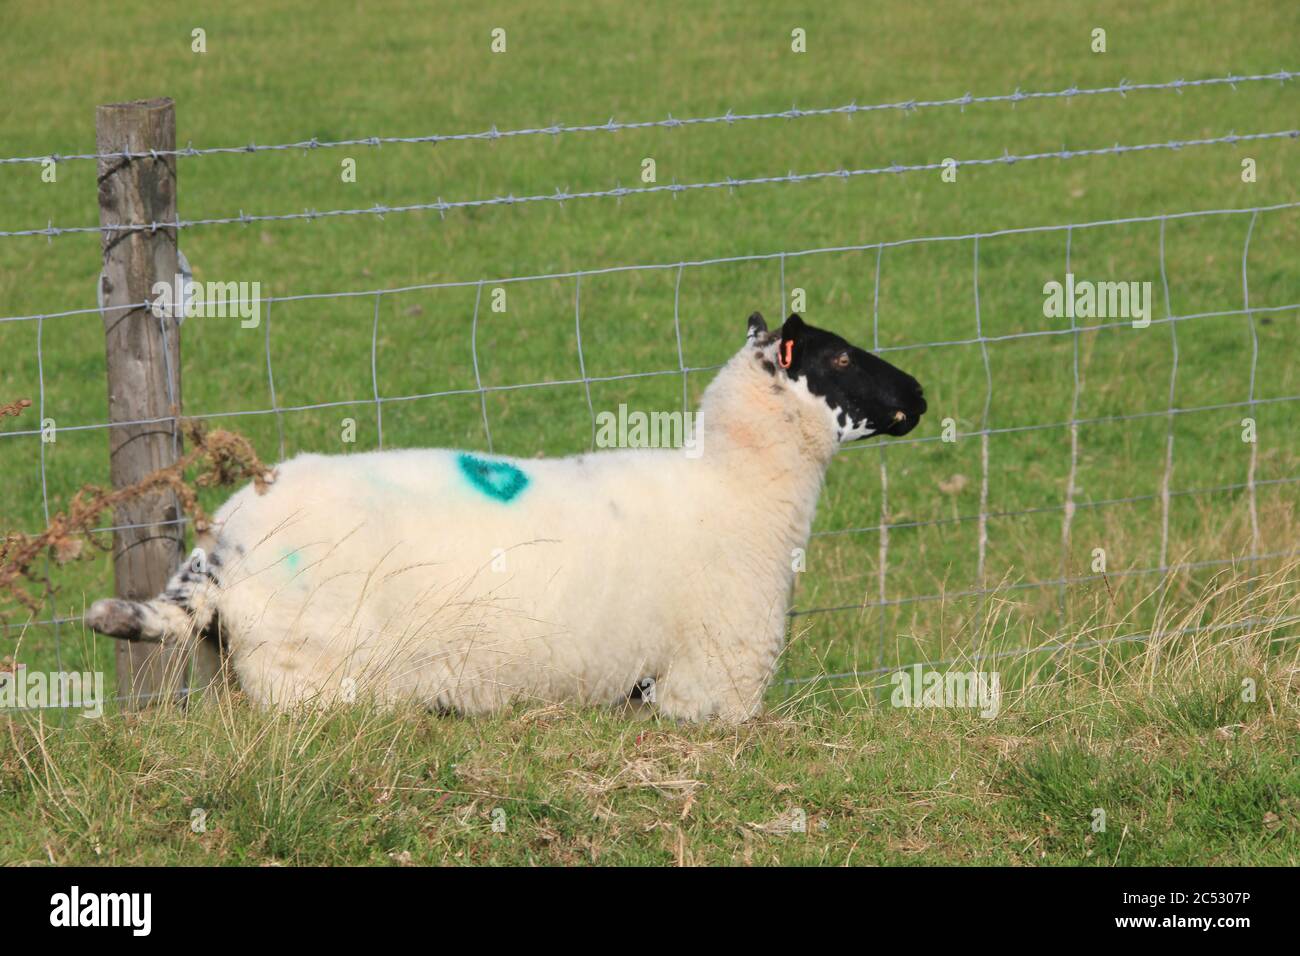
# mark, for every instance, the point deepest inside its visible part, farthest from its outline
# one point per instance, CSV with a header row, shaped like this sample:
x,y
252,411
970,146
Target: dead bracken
x,y
15,408
226,458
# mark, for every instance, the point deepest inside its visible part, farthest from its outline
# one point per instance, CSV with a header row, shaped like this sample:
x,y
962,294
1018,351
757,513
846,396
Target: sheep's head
x,y
863,394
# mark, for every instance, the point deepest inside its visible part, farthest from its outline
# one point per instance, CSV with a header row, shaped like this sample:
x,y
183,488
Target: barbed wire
x,y
561,196
1123,88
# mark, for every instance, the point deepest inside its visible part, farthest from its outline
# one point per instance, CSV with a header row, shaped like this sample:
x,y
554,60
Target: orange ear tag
x,y
789,353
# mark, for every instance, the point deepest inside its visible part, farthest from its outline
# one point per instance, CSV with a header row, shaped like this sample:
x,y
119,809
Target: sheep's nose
x,y
901,425
913,409
903,420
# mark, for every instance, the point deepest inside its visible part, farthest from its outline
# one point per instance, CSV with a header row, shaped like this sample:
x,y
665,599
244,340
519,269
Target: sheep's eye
x,y
842,360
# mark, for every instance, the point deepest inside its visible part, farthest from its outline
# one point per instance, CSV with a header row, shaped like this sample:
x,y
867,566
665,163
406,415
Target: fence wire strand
x,y
731,183
713,261
729,118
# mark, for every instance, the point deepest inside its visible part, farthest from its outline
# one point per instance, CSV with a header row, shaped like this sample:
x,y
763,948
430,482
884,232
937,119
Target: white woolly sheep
x,y
467,581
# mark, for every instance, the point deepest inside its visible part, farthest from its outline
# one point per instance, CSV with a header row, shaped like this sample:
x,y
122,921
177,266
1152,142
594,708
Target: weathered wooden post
x,y
144,381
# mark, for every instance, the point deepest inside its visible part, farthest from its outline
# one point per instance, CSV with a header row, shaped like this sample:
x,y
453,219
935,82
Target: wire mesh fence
x,y
878,585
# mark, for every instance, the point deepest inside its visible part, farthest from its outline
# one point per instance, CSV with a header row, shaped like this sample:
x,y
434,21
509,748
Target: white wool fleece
x,y
469,581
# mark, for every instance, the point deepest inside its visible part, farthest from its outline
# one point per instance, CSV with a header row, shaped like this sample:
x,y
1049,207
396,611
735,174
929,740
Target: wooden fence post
x,y
144,382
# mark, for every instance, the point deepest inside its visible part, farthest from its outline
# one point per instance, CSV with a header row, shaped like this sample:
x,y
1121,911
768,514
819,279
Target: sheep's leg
x,y
150,622
703,690
184,608
708,704
719,674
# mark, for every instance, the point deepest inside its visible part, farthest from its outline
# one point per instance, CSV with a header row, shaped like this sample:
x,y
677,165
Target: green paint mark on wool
x,y
496,479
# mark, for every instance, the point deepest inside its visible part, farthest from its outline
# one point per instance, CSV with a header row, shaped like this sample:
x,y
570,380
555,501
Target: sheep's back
x,y
422,563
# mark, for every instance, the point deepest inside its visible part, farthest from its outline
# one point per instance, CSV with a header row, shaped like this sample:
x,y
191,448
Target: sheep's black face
x,y
865,394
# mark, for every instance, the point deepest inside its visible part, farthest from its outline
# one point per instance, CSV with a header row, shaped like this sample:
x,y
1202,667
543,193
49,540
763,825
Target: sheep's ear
x,y
791,341
757,326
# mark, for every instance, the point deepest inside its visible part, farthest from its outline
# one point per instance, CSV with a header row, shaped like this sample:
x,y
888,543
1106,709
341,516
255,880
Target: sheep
x,y
466,581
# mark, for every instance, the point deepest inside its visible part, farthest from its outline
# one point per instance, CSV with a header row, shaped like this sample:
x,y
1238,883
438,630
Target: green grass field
x,y
1147,759
1109,725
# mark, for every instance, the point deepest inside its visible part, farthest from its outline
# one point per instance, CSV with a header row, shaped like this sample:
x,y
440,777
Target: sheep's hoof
x,y
115,617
